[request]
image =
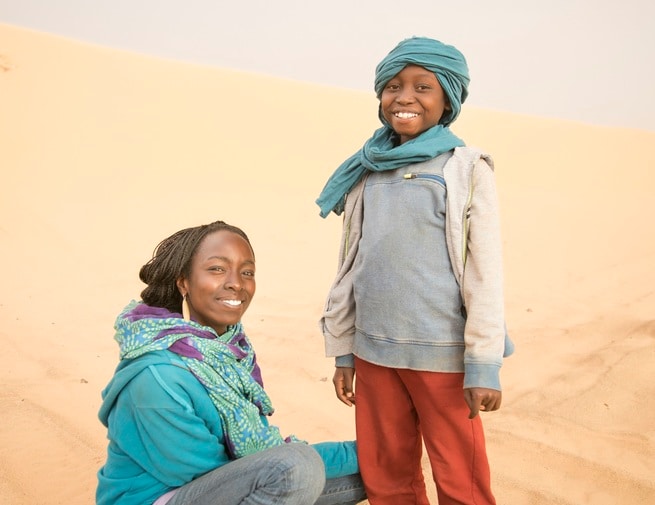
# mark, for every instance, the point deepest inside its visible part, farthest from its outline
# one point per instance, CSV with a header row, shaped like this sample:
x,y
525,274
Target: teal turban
x,y
446,62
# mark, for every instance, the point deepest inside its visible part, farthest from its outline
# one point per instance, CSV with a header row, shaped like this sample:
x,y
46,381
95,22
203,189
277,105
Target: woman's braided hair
x,y
171,260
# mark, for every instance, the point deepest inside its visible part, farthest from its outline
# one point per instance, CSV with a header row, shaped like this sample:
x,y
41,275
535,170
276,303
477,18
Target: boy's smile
x,y
413,101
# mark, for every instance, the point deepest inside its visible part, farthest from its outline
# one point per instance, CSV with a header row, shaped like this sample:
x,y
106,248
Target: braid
x,y
171,260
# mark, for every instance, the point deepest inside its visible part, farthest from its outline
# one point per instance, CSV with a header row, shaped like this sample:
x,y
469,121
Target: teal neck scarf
x,y
382,152
224,364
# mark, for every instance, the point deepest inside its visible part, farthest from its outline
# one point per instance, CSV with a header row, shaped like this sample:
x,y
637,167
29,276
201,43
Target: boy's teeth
x,y
233,302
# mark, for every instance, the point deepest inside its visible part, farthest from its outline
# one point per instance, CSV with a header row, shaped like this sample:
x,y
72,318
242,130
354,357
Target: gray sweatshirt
x,y
423,288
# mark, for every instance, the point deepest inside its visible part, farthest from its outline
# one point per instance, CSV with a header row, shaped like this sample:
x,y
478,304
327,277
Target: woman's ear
x,y
182,286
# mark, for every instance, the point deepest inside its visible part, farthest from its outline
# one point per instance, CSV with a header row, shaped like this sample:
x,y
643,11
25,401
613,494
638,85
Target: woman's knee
x,y
308,463
302,470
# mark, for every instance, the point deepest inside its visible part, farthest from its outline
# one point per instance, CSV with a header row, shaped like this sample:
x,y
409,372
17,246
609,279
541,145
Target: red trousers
x,y
398,410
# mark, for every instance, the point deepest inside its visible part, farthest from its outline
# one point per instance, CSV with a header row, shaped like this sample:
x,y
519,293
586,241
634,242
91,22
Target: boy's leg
x,y
292,474
388,438
455,443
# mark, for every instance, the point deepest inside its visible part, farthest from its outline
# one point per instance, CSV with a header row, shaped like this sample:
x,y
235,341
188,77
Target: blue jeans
x,y
290,474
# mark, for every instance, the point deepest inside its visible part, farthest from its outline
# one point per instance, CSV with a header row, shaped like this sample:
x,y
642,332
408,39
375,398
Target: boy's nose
x,y
405,96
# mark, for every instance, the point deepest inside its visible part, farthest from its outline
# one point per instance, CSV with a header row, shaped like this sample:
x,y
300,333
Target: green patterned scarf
x,y
224,364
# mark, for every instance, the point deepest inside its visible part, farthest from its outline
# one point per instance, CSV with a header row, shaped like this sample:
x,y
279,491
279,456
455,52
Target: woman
x,y
186,410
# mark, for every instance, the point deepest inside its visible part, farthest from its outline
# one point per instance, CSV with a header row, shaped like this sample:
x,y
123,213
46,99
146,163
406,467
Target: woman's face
x,y
222,280
413,101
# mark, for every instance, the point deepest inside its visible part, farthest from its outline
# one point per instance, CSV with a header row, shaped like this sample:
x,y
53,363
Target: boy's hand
x,y
483,399
343,384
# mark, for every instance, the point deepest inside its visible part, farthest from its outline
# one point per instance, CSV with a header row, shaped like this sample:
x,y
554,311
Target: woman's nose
x,y
233,281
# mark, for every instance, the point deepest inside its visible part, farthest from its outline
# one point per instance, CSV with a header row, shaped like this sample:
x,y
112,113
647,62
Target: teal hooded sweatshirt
x,y
164,431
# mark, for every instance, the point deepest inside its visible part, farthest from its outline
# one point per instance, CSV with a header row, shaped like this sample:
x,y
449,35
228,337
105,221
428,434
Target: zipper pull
x,y
409,176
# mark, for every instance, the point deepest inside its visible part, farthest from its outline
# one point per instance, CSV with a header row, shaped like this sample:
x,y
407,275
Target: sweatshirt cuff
x,y
478,375
346,361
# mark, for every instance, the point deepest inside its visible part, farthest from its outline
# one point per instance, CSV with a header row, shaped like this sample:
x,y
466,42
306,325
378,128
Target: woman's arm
x,y
166,422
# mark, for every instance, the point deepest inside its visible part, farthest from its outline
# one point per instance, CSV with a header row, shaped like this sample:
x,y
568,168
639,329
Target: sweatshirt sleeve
x,y
483,285
167,423
339,458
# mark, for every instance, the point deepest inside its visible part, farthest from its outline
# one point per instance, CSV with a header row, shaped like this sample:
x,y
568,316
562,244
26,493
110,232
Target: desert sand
x,y
103,153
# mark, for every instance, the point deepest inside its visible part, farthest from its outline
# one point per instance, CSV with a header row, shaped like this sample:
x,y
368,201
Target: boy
x,y
416,310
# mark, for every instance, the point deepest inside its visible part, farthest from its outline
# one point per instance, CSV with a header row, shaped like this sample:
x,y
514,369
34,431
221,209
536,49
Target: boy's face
x,y
413,101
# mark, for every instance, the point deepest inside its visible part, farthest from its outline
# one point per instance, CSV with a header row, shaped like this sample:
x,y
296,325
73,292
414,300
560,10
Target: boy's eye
x,y
249,273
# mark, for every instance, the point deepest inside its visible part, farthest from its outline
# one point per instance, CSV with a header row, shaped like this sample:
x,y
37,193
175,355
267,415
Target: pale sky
x,y
583,60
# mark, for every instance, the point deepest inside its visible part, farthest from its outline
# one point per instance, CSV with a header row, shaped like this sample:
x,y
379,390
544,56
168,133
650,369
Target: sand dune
x,y
103,153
